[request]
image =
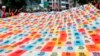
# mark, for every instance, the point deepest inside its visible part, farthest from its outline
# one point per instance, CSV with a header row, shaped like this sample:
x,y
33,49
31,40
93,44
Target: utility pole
x,y
58,5
76,3
0,1
52,4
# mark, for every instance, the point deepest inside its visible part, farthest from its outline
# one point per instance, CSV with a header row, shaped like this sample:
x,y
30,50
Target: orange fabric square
x,y
17,53
81,30
68,54
93,17
85,22
92,48
21,42
48,47
63,36
96,38
97,31
5,35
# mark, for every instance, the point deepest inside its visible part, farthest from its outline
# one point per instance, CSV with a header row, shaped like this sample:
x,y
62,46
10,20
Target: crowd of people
x,y
7,12
11,11
96,4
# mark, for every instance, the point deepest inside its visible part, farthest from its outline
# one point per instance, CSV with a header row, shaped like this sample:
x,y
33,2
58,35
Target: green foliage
x,y
17,0
38,1
8,4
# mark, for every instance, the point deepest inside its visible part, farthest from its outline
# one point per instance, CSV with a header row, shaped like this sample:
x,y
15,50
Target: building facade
x,y
61,4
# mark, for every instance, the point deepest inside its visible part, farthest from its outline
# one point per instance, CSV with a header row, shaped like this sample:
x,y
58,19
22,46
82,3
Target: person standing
x,y
11,12
3,11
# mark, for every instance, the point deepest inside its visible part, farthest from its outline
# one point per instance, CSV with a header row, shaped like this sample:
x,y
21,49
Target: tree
x,y
38,1
84,1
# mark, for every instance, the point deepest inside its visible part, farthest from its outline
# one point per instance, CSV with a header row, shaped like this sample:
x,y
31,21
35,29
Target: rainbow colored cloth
x,y
73,32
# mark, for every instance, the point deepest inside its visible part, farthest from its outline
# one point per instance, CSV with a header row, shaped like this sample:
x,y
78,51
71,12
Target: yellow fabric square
x,y
85,53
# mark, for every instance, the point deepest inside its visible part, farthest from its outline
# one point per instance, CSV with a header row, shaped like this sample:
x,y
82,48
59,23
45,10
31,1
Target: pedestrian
x,y
11,12
19,10
3,11
93,2
99,6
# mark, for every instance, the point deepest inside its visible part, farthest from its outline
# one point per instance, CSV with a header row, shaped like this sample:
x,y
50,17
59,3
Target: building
x,y
66,4
61,4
